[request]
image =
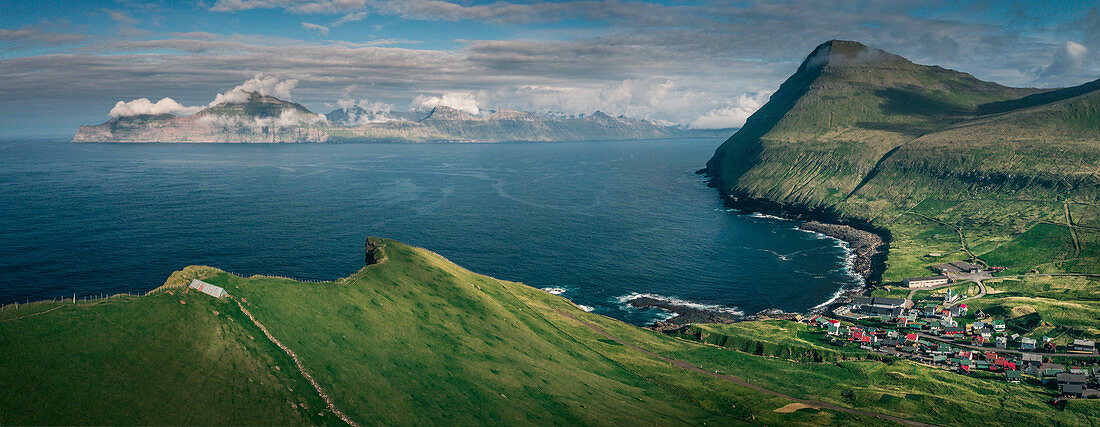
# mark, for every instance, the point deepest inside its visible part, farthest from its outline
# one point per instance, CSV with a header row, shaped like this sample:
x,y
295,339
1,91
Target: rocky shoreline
x,y
869,249
865,245
685,314
868,243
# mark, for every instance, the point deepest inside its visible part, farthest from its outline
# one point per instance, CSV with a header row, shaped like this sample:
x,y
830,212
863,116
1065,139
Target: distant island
x,y
260,118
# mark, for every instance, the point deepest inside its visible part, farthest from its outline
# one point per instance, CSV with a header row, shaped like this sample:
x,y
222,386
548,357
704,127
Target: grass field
x,y
1063,308
168,358
417,339
774,338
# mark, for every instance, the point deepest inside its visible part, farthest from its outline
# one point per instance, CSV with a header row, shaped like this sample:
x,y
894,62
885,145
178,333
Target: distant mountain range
x,y
266,119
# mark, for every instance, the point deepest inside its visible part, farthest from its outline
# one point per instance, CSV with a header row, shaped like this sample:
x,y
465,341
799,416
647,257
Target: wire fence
x,y
281,277
74,299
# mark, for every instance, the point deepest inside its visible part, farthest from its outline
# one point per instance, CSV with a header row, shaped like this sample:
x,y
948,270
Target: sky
x,y
703,64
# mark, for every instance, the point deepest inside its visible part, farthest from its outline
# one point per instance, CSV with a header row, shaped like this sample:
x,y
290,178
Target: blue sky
x,y
708,63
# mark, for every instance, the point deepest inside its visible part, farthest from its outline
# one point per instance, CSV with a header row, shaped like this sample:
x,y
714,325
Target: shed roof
x,y
206,288
963,265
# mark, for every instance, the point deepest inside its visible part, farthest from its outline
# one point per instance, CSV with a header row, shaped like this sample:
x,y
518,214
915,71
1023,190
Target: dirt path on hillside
x,y
738,381
962,236
1072,232
32,315
302,369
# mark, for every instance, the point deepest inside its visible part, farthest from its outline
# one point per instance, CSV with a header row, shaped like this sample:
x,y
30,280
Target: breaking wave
x,y
555,290
831,299
626,299
760,215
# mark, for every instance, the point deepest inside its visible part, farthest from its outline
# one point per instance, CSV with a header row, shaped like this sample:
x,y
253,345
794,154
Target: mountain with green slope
x,y
867,137
414,339
845,107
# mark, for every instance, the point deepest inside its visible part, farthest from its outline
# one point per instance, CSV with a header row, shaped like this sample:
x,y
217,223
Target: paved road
x,y
738,381
961,279
981,293
1047,274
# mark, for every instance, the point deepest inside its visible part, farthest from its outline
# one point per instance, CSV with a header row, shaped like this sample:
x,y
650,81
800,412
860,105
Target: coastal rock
x,y
372,255
685,314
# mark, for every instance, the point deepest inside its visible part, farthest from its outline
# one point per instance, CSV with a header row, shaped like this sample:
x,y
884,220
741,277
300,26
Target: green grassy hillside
x,y
416,339
942,162
169,358
845,107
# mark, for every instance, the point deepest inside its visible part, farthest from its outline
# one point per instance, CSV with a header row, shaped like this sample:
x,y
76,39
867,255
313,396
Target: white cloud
x,y
368,111
730,116
291,117
684,62
1068,60
297,6
286,118
264,85
321,29
462,101
144,106
33,36
667,101
121,17
364,104
351,17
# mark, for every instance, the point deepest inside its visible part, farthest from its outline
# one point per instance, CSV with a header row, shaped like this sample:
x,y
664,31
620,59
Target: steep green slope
x,y
943,162
845,107
419,340
416,339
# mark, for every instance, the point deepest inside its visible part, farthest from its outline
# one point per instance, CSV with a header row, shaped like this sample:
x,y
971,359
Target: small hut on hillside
x,y
207,288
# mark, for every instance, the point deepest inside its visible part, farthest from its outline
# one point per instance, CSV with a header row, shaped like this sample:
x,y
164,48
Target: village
x,y
941,332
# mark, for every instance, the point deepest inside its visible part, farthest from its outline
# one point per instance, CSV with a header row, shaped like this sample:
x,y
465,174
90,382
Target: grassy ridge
x,y
418,339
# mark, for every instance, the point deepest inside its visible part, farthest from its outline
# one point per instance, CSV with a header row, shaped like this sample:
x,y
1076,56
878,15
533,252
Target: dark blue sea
x,y
596,221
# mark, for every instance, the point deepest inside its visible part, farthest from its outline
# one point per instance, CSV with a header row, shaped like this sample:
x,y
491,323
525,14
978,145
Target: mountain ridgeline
x,y
266,119
860,135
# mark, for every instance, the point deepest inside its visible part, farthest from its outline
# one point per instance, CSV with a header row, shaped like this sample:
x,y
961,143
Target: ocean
x,y
596,222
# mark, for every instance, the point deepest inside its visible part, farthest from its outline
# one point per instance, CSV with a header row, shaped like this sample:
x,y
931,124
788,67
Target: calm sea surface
x,y
599,220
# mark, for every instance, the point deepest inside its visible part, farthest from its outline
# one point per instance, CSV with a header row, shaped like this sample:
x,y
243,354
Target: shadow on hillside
x,y
930,113
1038,98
